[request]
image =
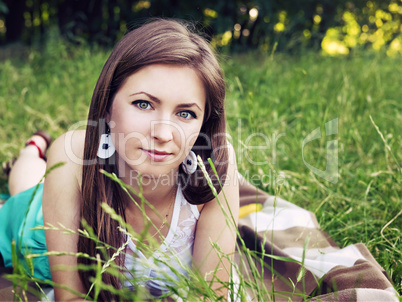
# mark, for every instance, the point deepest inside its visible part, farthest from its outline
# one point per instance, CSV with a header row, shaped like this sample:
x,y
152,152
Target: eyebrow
x,y
155,99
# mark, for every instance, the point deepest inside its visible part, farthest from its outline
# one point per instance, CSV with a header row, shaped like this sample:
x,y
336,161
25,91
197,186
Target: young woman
x,y
158,103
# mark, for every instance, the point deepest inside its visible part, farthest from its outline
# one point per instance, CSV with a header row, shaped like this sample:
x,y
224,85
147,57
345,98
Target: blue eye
x,y
142,104
187,114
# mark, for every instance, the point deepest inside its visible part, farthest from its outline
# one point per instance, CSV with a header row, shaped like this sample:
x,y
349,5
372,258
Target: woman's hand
x,y
217,224
61,207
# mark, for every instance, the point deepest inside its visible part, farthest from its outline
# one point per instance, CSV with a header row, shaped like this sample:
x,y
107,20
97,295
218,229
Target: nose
x,y
162,131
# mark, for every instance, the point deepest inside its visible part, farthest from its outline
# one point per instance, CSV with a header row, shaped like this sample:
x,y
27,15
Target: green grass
x,y
280,98
285,98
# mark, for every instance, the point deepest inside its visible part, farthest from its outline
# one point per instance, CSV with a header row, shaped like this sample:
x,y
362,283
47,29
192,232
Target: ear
x,y
107,117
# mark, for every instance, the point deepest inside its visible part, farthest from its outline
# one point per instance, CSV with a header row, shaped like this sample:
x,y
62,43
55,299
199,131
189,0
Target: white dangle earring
x,y
189,164
106,148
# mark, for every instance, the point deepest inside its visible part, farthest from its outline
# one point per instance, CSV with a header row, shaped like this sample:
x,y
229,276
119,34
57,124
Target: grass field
x,y
273,101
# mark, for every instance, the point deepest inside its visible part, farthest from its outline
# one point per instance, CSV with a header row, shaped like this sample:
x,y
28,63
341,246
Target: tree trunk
x,y
14,20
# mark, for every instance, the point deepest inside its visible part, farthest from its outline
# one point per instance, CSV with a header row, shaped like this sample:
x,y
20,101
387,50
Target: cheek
x,y
191,136
129,133
127,122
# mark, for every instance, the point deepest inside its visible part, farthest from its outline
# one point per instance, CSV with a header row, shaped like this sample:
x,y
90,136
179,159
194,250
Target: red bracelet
x,y
31,142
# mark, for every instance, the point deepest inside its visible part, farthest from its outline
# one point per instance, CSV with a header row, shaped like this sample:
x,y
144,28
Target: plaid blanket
x,y
293,260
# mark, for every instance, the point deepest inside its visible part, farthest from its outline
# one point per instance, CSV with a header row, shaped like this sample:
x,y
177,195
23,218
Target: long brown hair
x,y
156,42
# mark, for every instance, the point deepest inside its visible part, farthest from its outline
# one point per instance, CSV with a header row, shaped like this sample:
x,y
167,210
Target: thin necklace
x,y
164,221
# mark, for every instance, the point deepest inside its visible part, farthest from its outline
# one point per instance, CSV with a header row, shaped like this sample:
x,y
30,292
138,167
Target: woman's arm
x,y
214,226
61,206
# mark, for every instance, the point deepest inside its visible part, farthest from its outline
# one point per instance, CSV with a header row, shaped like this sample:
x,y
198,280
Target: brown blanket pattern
x,y
323,271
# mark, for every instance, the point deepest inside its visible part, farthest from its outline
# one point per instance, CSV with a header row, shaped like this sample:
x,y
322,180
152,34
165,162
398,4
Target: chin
x,y
154,174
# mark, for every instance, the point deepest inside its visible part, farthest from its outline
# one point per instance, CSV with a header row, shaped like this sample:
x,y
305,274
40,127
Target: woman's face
x,y
155,119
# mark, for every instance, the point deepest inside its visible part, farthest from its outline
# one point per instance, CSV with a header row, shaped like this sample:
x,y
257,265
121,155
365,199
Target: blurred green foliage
x,y
335,26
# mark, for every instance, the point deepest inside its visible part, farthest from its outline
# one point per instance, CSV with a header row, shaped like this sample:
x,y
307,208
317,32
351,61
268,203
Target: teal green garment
x,y
12,215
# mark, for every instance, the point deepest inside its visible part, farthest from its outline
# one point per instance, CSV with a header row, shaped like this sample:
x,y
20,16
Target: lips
x,y
156,155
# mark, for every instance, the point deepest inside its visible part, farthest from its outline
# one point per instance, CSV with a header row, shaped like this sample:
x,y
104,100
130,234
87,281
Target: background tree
x,y
286,25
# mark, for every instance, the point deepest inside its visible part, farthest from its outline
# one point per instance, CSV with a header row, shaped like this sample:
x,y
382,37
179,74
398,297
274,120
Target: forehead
x,y
167,82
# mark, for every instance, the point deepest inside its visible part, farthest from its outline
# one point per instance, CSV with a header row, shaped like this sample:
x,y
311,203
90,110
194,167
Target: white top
x,y
156,273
